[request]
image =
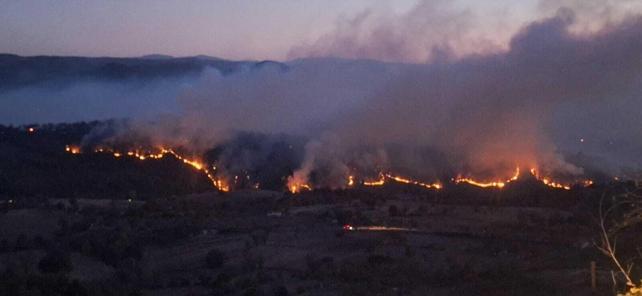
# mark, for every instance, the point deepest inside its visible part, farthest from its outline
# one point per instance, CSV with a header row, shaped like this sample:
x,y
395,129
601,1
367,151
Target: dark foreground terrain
x,y
401,241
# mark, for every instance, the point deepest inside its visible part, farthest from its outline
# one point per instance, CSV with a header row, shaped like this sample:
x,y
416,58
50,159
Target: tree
x,y
623,214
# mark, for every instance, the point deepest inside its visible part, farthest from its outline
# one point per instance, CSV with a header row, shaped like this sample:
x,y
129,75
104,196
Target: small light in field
x,y
348,227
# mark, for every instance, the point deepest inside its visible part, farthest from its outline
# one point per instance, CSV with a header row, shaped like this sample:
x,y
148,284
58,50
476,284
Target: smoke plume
x,y
553,92
554,97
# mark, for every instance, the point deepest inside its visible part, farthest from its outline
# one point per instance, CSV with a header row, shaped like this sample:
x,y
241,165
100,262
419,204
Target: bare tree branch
x,y
609,248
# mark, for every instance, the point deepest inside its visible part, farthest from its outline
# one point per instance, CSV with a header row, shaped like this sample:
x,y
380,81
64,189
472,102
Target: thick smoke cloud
x,y
431,30
480,115
593,15
563,100
438,29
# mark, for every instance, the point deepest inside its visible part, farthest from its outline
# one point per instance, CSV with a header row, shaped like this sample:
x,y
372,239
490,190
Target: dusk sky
x,y
280,30
230,29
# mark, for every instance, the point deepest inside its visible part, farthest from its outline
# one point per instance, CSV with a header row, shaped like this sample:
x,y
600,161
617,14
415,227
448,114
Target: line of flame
x,y
296,188
496,184
218,183
399,179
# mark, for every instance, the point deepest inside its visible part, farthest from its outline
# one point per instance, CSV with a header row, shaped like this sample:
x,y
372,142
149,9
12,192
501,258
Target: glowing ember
x,y
72,149
350,180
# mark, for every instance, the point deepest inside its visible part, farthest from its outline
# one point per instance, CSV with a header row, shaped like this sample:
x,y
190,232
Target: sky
x,y
233,29
283,29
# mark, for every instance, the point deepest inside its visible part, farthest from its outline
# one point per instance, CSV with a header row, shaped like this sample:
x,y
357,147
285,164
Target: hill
x,y
18,71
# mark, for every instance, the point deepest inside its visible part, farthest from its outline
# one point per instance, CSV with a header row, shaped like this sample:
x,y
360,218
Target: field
x,y
400,241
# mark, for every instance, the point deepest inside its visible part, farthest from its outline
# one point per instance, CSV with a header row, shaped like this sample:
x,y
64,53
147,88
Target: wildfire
x,y
496,184
296,188
413,182
382,181
500,184
547,181
480,184
218,183
143,155
297,184
515,176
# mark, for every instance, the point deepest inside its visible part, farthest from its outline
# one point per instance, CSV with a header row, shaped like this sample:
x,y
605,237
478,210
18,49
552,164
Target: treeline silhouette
x,y
55,71
34,163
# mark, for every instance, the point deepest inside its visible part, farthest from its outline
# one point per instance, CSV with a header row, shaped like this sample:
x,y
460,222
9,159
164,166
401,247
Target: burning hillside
x,y
538,109
141,154
222,182
332,123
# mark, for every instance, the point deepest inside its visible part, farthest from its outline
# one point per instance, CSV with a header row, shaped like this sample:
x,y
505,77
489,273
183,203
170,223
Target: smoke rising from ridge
x,y
557,97
438,29
479,115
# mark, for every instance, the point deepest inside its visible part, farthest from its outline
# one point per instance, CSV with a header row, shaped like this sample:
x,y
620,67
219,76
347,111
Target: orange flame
x,y
413,182
380,182
482,184
72,149
297,184
547,181
296,187
218,183
399,179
